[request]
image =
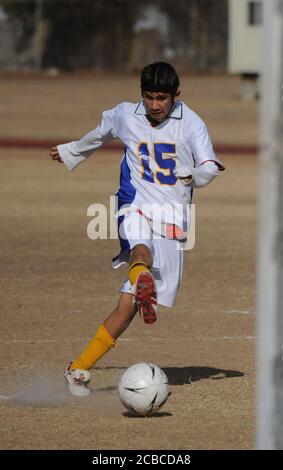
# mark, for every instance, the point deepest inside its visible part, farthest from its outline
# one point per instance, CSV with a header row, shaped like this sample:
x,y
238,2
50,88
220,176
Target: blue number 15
x,y
164,155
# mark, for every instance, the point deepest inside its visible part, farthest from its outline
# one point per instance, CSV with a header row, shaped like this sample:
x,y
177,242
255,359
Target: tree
x,y
83,34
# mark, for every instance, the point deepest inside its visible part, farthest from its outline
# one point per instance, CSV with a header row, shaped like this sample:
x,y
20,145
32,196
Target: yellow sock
x,y
100,344
135,269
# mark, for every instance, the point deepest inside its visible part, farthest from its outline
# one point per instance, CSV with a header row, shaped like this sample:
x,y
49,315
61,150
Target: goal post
x,y
270,238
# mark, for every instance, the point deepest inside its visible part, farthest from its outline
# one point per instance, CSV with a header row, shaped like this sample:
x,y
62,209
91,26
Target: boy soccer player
x,y
168,152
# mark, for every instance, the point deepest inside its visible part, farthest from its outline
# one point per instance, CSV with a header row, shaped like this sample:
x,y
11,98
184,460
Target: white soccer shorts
x,y
167,266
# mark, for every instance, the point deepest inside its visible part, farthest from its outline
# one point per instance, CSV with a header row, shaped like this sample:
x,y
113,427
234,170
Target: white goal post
x,y
270,239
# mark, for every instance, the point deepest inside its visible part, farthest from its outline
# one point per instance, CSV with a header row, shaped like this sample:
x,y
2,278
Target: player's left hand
x,y
54,154
183,173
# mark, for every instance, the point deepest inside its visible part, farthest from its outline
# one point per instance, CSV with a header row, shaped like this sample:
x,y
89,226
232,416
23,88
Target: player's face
x,y
157,104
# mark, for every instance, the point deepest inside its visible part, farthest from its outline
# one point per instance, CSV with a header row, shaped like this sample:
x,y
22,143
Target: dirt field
x,y
57,286
67,107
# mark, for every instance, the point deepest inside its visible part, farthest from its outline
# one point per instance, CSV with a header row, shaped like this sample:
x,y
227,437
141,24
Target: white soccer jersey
x,y
147,169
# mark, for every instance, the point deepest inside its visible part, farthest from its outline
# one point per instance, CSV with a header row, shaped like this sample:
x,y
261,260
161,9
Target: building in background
x,y
244,43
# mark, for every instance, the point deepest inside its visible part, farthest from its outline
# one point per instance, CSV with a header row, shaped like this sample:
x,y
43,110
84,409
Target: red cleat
x,y
146,297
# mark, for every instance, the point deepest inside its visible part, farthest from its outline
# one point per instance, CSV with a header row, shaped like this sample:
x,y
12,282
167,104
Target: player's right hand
x,y
54,154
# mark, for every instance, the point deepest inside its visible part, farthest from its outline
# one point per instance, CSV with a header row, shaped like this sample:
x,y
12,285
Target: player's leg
x,y
143,283
141,252
143,287
77,373
120,318
167,270
136,239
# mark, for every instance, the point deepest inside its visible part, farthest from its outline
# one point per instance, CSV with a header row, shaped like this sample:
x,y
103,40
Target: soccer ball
x,y
143,388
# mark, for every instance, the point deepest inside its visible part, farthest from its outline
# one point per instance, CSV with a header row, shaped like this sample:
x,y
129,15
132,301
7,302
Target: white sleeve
x,y
205,173
74,153
201,146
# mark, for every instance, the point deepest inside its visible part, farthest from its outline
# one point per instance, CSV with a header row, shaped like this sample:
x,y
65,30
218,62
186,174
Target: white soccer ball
x,y
143,388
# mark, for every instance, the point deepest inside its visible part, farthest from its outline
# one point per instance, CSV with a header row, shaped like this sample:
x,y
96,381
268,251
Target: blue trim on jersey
x,y
124,244
126,194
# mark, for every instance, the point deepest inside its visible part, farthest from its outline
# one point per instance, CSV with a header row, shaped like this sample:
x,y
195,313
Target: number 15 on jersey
x,y
165,156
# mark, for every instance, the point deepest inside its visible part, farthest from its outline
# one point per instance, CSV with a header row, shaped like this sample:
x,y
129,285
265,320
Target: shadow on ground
x,y
157,414
187,375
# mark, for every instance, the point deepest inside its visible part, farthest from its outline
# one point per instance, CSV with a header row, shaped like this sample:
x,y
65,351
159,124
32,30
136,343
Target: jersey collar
x,y
176,111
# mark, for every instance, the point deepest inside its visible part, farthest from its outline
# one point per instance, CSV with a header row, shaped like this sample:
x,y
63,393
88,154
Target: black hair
x,y
159,77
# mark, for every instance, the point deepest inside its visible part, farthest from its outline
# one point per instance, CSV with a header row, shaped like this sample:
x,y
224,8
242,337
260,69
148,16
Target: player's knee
x,y
141,253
